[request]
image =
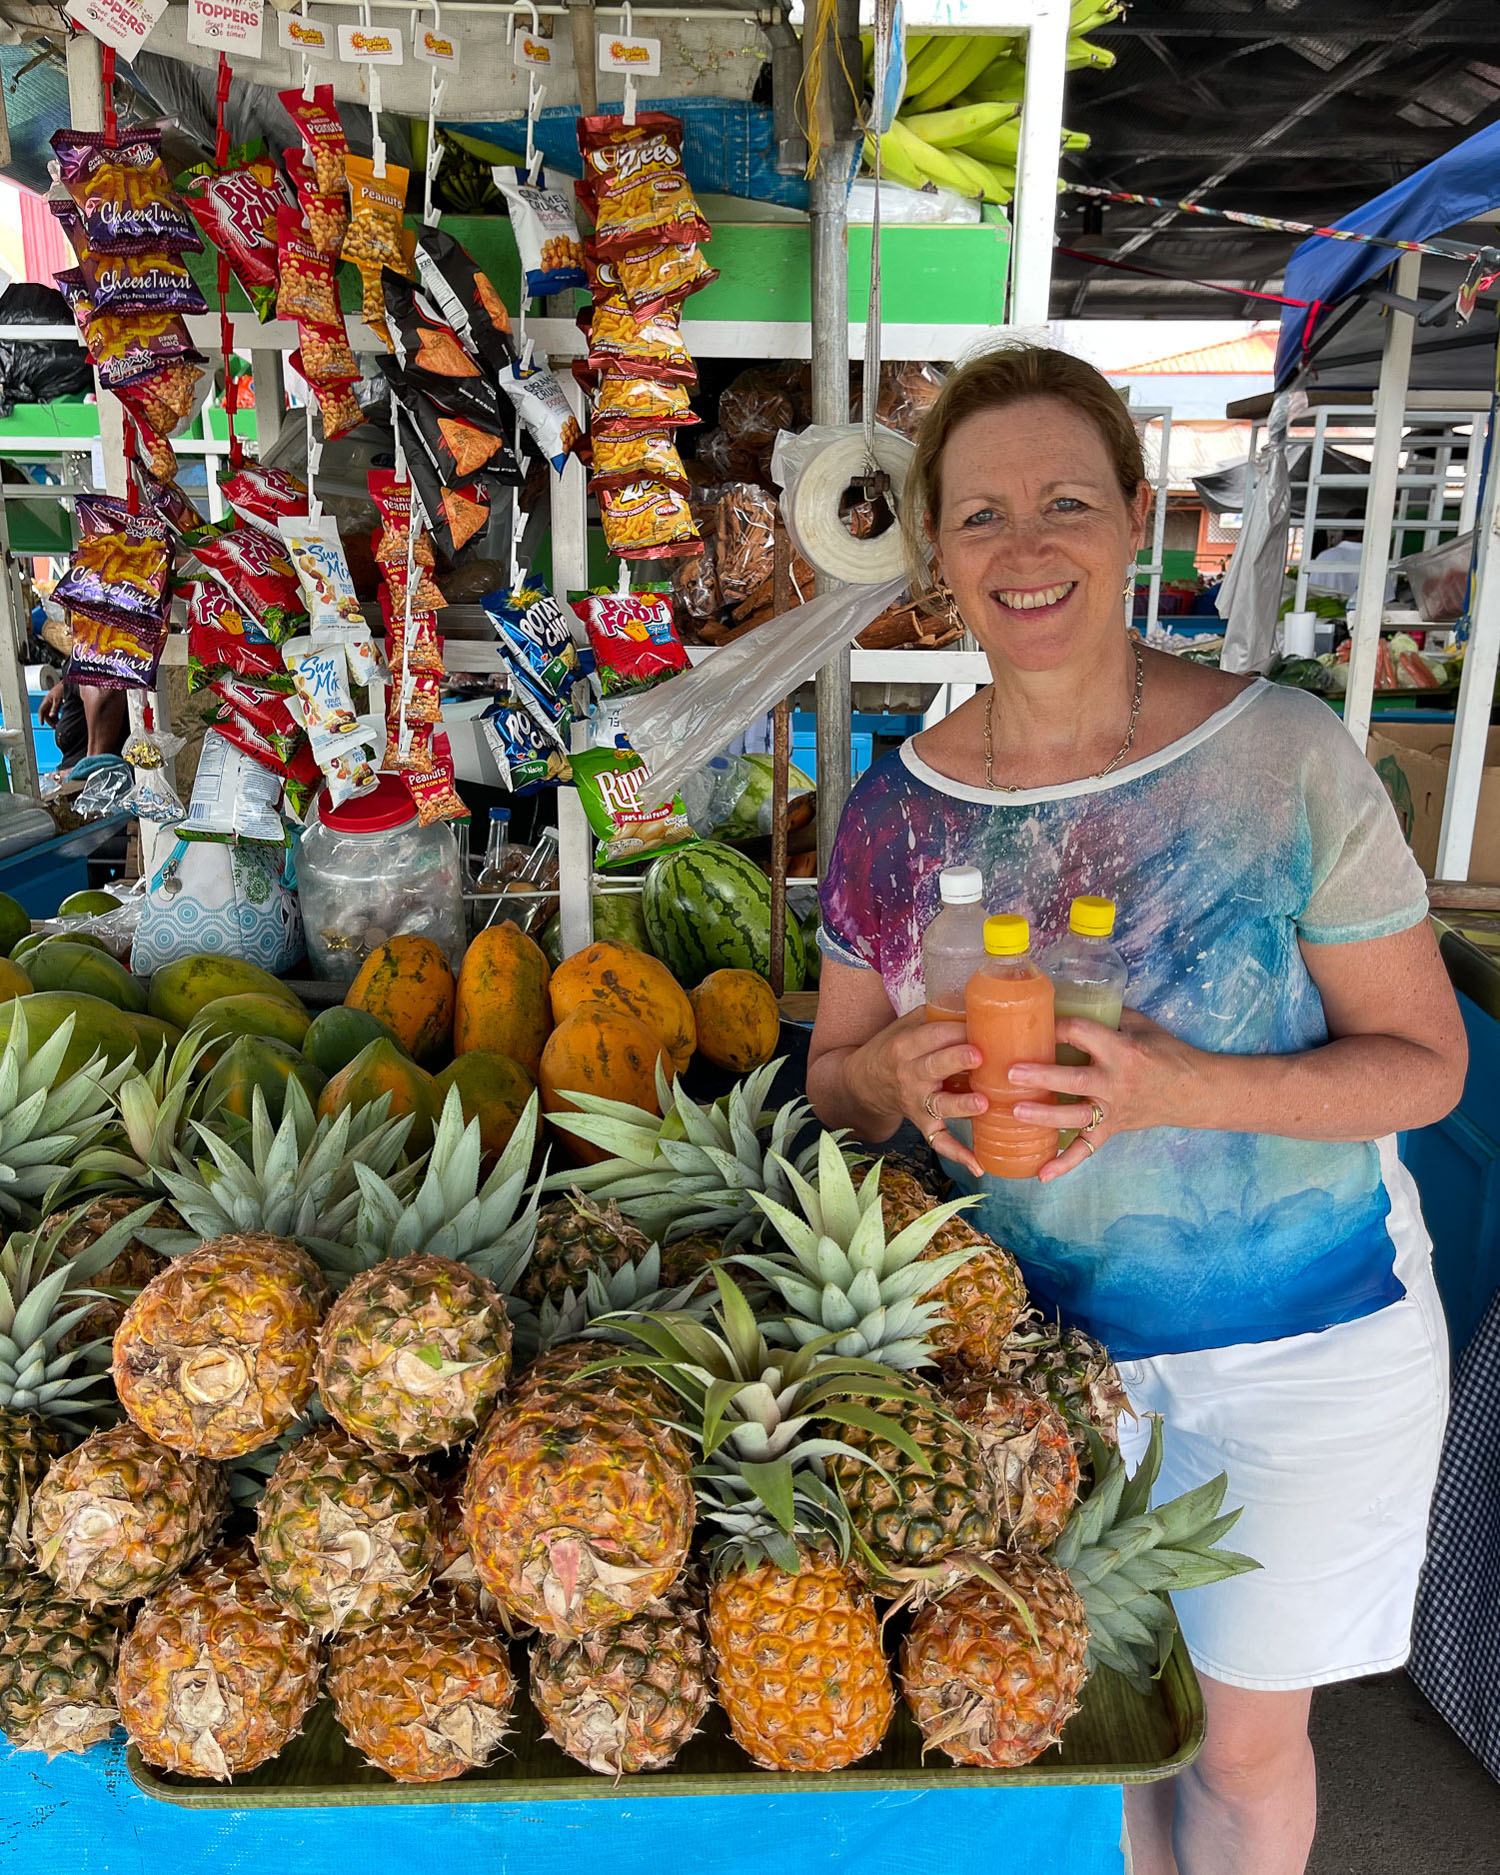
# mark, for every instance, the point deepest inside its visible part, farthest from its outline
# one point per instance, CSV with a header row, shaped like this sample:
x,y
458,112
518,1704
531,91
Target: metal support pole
x,y
1476,692
570,573
1380,505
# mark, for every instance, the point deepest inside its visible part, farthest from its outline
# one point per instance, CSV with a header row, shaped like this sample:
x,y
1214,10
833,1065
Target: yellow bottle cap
x,y
1092,917
1006,934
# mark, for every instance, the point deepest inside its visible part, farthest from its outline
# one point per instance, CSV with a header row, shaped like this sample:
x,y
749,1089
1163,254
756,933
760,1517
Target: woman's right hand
x,y
901,1071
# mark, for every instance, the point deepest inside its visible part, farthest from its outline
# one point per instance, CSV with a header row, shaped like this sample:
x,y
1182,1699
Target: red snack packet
x,y
634,184
124,196
643,348
322,136
294,763
392,498
647,521
265,496
624,404
139,283
163,401
307,292
236,207
425,594
263,709
339,408
645,455
634,640
214,653
434,795
256,574
327,210
324,355
415,643
418,704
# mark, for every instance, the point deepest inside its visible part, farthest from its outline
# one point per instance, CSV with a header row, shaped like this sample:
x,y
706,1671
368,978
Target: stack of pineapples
x,y
275,1400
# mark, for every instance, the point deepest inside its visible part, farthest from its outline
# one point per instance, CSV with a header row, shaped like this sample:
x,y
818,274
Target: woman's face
x,y
1034,536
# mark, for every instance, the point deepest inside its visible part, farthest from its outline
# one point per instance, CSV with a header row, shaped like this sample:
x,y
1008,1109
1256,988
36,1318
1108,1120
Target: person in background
x,y
86,720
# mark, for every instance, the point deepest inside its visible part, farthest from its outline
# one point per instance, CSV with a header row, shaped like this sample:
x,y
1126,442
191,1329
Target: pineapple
x,y
425,1695
798,1659
132,1269
47,1125
57,1666
214,1357
575,1236
47,1390
1027,1447
926,1496
994,1669
628,1700
418,1347
578,1509
1073,1371
345,1537
453,1571
214,1677
695,1169
980,1301
119,1516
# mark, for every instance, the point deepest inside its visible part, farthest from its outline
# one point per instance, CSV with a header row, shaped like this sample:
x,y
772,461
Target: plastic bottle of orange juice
x,y
1008,1006
953,949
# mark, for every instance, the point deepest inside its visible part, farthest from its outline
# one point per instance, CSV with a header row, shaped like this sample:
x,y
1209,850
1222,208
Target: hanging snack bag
x,y
257,576
122,564
609,784
236,207
465,298
454,514
647,521
317,557
536,632
264,497
432,791
547,237
234,796
320,681
634,182
527,759
338,407
166,400
425,596
393,501
308,292
124,348
543,409
322,135
647,455
262,709
659,278
420,342
327,210
638,348
115,653
411,642
377,236
633,638
623,404
154,796
218,646
139,283
123,193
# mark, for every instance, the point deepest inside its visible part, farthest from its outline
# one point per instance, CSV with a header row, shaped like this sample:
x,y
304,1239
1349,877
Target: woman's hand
x,y
1141,1076
901,1070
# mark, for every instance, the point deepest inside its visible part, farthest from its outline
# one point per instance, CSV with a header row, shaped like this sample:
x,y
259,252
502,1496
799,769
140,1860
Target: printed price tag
x,y
528,49
226,25
305,36
370,45
434,48
123,24
639,57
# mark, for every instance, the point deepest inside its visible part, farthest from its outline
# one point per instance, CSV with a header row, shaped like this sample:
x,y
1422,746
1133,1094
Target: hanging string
x,y
307,75
107,80
226,328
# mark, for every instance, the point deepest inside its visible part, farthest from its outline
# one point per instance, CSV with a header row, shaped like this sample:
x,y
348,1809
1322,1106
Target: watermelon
x,y
708,908
750,814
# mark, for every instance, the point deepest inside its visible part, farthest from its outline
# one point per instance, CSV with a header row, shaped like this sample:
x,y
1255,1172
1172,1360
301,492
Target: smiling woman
x,y
1234,1221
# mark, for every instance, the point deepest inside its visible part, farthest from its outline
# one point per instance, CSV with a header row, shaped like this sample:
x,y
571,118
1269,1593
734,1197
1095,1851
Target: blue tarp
x,y
1457,187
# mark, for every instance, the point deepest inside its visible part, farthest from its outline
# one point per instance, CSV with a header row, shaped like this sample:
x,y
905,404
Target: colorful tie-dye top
x,y
1263,826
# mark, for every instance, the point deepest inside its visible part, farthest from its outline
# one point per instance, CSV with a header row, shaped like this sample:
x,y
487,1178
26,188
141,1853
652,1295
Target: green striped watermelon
x,y
708,908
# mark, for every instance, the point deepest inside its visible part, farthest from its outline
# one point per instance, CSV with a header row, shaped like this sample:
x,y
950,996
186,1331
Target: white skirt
x,y
1331,1443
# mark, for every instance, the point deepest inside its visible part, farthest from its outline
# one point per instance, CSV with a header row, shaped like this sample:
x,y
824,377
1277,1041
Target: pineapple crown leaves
x,y
297,1180
1124,1557
489,1227
843,1278
45,1124
630,1290
37,1283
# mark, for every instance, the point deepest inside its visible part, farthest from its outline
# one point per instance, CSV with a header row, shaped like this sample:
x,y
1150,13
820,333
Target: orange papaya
x,y
599,1050
407,983
737,1018
629,980
502,1001
381,1068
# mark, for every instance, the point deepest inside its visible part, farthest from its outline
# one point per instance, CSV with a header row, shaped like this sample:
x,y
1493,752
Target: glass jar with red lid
x,y
368,871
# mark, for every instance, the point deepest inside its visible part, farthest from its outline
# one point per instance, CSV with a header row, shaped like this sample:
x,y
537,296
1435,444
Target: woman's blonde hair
x,y
990,382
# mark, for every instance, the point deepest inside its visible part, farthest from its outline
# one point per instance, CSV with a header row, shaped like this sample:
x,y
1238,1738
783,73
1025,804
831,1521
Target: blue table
x,y
83,1815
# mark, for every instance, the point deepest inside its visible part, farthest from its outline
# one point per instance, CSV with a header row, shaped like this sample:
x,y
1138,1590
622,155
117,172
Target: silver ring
x,y
1096,1119
932,1112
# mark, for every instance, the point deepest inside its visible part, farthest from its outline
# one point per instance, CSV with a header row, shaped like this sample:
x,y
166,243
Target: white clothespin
x,y
314,463
307,77
377,142
434,99
622,581
628,20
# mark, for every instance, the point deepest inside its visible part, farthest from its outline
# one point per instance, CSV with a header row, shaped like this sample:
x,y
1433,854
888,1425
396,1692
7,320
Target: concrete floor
x,y
1398,1794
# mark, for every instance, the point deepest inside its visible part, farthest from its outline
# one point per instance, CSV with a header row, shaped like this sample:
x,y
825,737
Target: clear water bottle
x,y
953,949
1088,974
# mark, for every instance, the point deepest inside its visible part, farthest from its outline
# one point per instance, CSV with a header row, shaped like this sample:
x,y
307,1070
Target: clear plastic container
x,y
1088,974
952,950
368,871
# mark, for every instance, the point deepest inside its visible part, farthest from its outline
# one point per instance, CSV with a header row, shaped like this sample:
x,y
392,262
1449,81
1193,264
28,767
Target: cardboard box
x,y
1412,760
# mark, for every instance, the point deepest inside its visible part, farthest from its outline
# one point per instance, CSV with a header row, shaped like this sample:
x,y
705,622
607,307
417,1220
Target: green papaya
x,y
246,1014
256,1061
182,989
15,922
38,938
88,905
152,1036
82,970
99,1027
336,1036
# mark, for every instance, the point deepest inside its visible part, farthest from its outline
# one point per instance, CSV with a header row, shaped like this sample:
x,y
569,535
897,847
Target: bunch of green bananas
x,y
959,124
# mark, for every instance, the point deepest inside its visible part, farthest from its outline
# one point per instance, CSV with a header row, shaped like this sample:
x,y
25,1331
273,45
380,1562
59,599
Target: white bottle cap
x,y
961,885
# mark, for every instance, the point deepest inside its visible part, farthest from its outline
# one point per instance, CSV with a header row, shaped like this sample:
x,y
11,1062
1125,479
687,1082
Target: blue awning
x,y
1443,195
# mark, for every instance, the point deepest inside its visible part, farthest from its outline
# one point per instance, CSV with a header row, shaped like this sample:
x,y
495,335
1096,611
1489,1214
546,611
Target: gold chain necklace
x,y
1125,746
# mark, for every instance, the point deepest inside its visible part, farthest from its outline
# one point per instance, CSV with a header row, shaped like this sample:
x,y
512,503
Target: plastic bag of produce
x,y
1439,578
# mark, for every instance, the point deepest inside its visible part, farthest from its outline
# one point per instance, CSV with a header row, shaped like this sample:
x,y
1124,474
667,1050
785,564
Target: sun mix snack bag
x,y
634,185
317,558
236,207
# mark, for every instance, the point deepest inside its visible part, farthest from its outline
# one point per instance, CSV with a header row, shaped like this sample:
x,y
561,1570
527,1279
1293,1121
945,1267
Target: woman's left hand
x,y
1138,1077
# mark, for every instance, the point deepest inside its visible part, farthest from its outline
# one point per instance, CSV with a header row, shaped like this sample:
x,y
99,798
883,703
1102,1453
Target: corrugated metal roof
x,y
1252,357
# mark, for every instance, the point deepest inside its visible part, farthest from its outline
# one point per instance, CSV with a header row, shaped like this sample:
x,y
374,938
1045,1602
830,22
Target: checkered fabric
x,y
1455,1657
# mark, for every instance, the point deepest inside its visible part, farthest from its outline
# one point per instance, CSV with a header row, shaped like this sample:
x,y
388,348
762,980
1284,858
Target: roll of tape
x,y
811,506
